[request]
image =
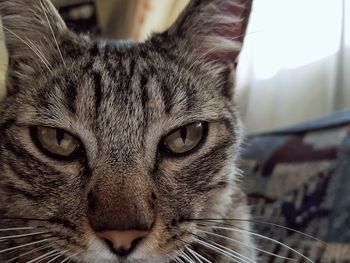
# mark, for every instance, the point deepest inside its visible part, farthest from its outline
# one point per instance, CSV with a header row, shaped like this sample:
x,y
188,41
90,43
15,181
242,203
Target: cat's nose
x,y
122,242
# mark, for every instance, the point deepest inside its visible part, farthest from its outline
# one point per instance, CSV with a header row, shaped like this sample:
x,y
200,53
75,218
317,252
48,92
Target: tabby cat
x,y
122,151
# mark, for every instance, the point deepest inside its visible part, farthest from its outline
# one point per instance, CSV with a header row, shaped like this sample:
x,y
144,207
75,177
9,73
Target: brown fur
x,y
120,100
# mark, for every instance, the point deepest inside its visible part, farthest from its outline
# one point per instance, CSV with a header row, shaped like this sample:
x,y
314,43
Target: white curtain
x,y
295,63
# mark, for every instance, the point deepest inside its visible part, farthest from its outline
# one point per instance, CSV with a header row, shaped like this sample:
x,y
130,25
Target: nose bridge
x,y
120,201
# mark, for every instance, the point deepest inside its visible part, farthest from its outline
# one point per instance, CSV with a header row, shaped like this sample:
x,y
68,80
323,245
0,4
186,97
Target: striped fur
x,y
120,99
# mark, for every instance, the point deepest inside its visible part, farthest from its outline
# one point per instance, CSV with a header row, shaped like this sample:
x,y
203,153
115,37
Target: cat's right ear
x,y
32,29
209,31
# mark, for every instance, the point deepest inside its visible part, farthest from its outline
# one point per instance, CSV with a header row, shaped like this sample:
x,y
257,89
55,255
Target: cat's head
x,y
117,143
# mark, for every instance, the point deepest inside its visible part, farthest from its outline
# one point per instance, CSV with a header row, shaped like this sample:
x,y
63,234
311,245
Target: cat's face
x,y
116,144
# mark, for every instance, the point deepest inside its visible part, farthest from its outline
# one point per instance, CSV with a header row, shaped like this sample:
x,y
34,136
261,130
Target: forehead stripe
x,y
97,78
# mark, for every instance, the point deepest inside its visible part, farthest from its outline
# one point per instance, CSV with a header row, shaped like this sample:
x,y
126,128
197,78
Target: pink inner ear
x,y
236,31
242,11
232,32
211,30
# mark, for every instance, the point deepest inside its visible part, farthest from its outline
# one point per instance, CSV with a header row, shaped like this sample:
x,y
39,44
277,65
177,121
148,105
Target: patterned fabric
x,y
300,178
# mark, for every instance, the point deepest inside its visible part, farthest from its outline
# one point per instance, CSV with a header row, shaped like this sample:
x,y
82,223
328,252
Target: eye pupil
x,y
59,136
183,134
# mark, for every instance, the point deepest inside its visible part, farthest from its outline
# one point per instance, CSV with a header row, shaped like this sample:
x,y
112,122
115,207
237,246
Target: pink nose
x,y
122,242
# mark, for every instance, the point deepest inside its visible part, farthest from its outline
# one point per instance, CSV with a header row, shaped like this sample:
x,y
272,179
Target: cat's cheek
x,y
223,188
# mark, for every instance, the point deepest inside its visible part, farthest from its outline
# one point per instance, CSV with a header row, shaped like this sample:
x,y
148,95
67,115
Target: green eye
x,y
55,141
186,138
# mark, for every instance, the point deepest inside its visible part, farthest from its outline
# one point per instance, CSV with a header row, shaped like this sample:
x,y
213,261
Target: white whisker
x,y
228,250
242,257
53,34
38,50
23,235
60,254
49,256
178,259
69,258
42,257
29,252
243,244
196,254
16,228
28,45
193,255
215,221
218,250
25,245
235,229
171,257
188,258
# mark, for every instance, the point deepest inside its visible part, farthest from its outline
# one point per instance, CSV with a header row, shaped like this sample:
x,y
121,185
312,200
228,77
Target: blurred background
x,y
294,67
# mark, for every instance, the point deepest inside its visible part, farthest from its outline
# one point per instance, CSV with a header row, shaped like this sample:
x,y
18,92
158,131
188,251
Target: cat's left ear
x,y
209,31
28,25
31,29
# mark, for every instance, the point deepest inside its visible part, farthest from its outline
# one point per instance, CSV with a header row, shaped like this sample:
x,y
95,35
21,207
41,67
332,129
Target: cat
x,y
122,151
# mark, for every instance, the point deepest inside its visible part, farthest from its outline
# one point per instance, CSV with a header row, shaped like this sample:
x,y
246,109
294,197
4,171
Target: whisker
x,y
60,254
23,235
235,229
69,258
189,244
38,259
16,228
262,223
193,255
216,249
29,252
244,244
37,49
179,259
49,256
25,245
228,250
174,259
28,45
25,219
53,34
196,254
188,258
171,257
236,254
242,257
